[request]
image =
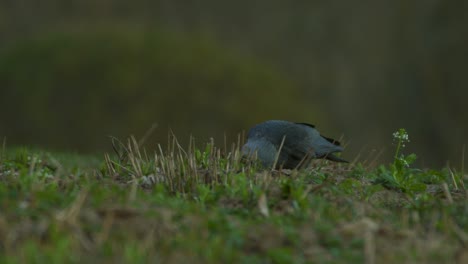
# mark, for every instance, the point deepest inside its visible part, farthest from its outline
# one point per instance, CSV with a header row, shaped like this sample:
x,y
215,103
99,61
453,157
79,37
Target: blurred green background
x,y
74,72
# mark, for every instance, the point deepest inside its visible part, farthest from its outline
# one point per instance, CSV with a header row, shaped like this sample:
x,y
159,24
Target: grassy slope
x,y
190,204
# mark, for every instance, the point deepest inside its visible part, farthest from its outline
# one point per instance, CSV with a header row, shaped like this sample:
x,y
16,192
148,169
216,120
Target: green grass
x,y
208,206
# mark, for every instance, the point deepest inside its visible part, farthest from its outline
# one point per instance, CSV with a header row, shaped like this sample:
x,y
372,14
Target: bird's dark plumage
x,y
302,142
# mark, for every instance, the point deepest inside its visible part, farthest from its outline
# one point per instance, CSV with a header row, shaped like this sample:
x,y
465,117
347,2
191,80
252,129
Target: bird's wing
x,y
298,147
331,140
293,155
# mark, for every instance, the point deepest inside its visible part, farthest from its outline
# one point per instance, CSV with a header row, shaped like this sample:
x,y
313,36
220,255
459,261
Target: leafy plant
x,y
399,174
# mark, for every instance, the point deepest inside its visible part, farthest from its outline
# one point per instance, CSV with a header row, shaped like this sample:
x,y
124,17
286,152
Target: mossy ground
x,y
207,206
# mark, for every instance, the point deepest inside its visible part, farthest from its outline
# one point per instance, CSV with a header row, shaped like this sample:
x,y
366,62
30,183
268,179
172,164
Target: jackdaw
x,y
298,143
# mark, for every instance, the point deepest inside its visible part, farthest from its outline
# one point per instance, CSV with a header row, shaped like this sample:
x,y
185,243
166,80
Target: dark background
x,y
73,72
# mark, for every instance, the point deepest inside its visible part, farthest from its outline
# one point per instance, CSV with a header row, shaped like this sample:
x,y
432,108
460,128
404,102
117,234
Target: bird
x,y
297,144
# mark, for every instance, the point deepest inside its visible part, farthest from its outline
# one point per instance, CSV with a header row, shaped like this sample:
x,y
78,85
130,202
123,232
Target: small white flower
x,y
401,135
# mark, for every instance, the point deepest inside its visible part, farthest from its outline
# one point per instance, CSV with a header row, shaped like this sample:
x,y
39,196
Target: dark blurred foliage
x,y
72,72
72,89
